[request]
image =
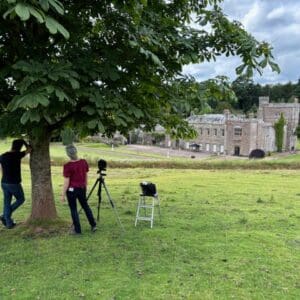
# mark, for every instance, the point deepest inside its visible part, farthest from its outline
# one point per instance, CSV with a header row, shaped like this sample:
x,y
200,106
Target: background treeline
x,y
215,95
247,93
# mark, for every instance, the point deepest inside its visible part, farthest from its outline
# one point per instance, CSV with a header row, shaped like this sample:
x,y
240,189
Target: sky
x,y
274,21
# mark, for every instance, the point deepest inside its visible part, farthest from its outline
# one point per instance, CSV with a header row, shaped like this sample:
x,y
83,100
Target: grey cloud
x,y
277,22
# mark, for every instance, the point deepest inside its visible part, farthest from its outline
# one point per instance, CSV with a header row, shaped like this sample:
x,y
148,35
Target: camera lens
x,y
102,165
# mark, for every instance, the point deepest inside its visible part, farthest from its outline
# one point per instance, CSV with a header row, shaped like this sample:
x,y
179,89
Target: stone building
x,y
239,135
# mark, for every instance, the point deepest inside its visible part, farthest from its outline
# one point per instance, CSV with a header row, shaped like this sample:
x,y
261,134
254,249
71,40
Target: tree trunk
x,y
43,205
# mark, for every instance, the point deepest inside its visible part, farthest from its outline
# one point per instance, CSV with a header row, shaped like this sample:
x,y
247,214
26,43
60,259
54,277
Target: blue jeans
x,y
10,190
80,194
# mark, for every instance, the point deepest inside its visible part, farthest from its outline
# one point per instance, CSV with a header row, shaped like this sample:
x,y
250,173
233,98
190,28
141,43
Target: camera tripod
x,y
101,183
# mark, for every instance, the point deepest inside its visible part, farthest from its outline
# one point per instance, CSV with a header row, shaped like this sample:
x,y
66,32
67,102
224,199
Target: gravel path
x,y
166,151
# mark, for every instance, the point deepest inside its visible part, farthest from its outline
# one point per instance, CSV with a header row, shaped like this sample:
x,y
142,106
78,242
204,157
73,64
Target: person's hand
x,y
62,199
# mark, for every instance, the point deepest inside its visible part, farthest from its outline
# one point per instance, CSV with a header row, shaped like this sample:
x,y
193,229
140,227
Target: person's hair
x,y
17,144
71,151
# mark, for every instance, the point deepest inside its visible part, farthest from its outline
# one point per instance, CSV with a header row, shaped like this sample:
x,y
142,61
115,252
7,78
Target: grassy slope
x,y
224,234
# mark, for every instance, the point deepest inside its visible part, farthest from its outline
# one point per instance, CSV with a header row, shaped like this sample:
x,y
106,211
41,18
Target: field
x,y
224,234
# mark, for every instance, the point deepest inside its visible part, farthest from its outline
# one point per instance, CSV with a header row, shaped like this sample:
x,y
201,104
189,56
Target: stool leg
x,y
152,211
137,211
144,203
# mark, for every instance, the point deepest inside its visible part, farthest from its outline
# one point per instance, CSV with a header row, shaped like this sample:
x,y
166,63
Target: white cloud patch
x,y
277,22
276,13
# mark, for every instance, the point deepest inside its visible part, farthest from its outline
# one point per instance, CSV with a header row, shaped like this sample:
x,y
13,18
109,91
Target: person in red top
x,y
75,183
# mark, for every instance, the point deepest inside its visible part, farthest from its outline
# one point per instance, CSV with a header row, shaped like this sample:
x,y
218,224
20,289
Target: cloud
x,y
277,13
277,22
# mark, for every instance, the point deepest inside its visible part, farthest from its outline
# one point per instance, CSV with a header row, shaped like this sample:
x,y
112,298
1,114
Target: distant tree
x,y
103,66
296,91
247,93
282,92
279,132
192,97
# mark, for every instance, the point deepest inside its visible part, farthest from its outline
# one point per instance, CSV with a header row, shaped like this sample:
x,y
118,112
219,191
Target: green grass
x,y
228,234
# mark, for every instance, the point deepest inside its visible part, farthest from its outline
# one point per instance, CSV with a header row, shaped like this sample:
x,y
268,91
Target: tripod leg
x,y
113,205
99,200
90,193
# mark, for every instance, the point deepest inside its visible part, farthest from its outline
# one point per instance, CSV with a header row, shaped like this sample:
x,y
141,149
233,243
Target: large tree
x,y
101,65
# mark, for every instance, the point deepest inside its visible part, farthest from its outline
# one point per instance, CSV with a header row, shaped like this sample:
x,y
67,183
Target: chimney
x,y
226,113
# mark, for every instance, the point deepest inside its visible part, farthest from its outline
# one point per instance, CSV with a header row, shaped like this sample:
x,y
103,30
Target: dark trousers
x,y
11,190
80,194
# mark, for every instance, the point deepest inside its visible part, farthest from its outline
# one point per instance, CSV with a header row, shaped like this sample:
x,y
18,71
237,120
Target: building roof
x,y
207,118
213,118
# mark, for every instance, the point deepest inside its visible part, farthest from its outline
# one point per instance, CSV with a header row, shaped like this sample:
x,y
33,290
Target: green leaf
x,y
25,117
68,136
23,66
8,12
57,6
133,44
263,63
22,11
113,74
34,116
100,127
239,70
92,124
51,24
249,71
44,4
137,112
50,89
63,31
36,14
43,100
156,60
274,67
89,109
61,95
75,84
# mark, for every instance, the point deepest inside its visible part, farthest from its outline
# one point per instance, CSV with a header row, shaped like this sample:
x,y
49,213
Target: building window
x,y
223,132
215,131
200,147
237,131
214,148
200,131
207,147
208,131
221,148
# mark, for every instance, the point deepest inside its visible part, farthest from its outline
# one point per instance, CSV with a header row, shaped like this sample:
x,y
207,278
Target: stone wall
x,y
270,113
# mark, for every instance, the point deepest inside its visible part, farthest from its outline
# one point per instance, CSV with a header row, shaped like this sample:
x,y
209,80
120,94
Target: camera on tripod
x,y
101,167
100,182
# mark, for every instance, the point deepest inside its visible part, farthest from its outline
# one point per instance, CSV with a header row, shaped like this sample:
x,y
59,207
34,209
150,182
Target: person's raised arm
x,y
28,147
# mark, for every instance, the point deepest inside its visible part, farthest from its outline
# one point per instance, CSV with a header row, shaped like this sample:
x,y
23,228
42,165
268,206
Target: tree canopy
x,y
107,65
102,66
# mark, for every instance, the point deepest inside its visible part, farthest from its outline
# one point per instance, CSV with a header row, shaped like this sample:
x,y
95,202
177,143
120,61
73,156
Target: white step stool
x,y
146,205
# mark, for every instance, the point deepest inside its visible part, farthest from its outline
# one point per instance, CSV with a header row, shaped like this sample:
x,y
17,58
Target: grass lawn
x,y
228,234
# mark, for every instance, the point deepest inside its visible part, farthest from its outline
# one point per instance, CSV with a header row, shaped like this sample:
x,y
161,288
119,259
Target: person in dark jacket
x,y
75,183
11,180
